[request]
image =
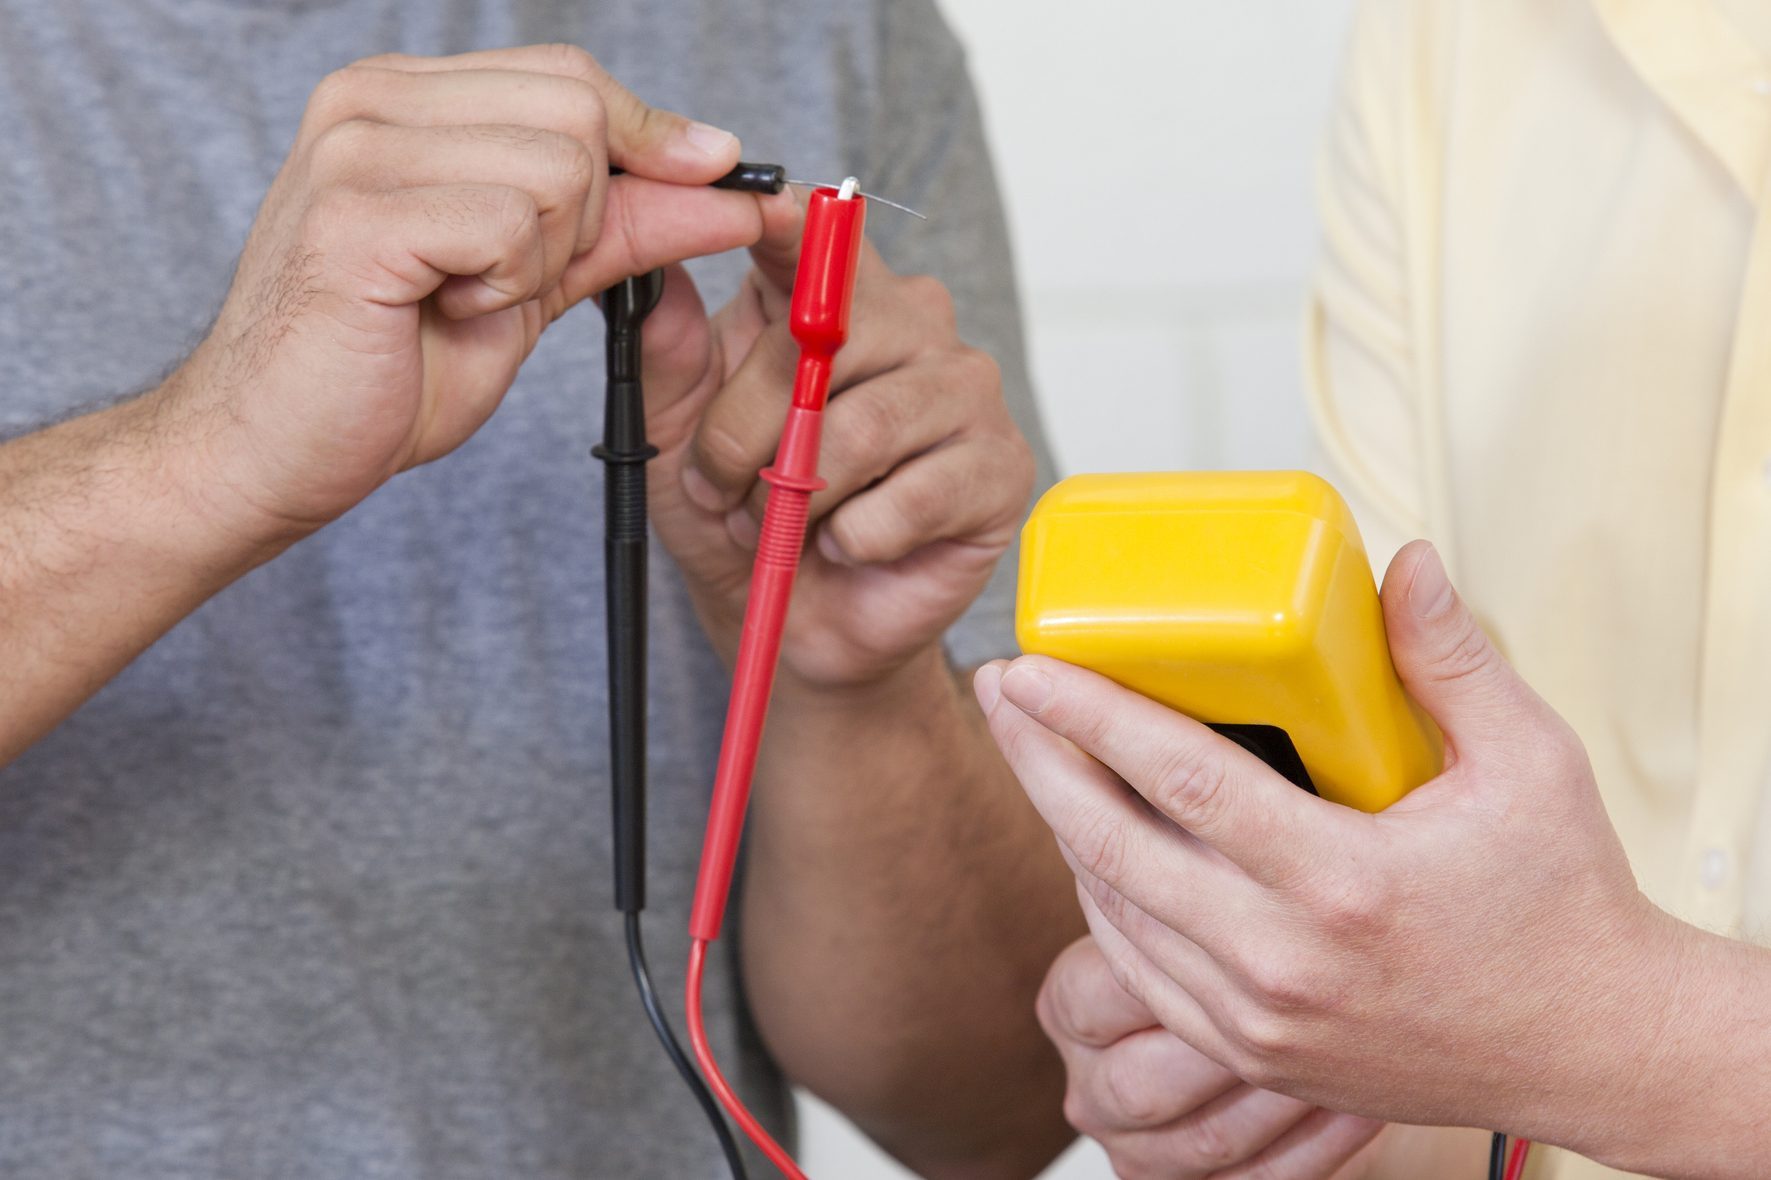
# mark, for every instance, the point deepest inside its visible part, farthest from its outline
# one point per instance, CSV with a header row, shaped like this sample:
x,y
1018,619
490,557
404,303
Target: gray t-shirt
x,y
320,887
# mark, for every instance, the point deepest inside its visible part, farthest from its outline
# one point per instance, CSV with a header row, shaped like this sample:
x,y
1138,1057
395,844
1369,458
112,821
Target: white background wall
x,y
1157,158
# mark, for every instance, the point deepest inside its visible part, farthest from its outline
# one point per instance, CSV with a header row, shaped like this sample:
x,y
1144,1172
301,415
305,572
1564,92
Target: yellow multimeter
x,y
1241,598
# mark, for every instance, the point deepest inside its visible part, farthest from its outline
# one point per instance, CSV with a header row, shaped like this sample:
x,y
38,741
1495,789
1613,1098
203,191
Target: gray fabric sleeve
x,y
925,147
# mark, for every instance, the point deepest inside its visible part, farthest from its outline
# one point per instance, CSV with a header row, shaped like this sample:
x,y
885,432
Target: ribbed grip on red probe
x,y
823,288
778,547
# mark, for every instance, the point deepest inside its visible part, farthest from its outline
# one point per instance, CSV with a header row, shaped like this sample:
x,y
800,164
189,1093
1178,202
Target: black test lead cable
x,y
624,452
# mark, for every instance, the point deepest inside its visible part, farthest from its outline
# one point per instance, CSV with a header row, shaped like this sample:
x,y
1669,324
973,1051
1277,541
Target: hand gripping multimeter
x,y
1243,599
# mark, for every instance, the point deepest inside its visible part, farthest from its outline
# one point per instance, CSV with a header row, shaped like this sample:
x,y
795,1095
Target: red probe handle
x,y
823,290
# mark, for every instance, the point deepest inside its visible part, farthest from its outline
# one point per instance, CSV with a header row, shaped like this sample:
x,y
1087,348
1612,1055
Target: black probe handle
x,y
745,178
624,557
625,452
754,178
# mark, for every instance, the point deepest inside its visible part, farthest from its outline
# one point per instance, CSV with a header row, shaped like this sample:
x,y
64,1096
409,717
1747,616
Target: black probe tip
x,y
754,178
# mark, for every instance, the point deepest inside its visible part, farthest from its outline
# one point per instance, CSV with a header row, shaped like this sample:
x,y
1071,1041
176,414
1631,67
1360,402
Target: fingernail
x,y
709,140
987,684
701,490
1027,688
1430,594
832,551
741,527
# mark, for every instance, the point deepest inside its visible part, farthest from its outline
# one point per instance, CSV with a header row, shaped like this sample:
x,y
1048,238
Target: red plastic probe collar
x,y
823,288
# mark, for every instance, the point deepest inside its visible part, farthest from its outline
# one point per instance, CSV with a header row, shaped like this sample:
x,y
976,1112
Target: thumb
x,y
1446,661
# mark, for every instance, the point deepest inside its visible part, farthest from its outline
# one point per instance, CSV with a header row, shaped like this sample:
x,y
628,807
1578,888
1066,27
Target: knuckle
x,y
1059,1013
1261,1072
1185,785
931,297
1352,906
336,96
1111,906
1001,481
647,123
1099,846
345,146
1048,1007
1469,654
861,532
1207,1145
1262,1039
1564,755
1283,985
720,452
1079,1112
590,115
575,108
574,61
868,424
513,216
1130,1092
575,166
978,370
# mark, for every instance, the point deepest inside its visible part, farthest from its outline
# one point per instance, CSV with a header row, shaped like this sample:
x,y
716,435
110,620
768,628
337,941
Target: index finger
x,y
645,140
1228,798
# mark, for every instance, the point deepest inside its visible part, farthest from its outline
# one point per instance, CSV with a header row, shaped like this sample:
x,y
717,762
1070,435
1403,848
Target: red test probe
x,y
823,289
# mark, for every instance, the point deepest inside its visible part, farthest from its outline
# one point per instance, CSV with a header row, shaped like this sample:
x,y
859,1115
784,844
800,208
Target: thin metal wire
x,y
869,196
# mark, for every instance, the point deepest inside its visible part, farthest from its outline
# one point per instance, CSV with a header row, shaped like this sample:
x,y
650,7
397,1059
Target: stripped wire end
x,y
849,194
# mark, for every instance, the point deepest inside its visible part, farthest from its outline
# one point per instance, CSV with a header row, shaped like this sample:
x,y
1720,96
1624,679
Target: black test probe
x,y
624,453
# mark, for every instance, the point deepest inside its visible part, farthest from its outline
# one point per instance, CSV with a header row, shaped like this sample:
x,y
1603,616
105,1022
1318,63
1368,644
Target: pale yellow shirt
x,y
1541,336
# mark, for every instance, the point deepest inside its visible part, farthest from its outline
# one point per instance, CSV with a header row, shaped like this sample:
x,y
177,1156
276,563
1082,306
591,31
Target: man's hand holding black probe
x,y
432,218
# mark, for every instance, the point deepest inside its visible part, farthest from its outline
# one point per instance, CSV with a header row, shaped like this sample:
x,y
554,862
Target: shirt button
x,y
1714,868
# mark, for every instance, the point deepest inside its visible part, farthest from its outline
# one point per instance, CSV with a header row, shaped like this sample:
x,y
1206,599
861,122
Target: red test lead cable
x,y
1516,1161
822,291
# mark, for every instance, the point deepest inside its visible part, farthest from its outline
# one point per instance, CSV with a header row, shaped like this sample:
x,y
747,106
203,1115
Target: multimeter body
x,y
1243,599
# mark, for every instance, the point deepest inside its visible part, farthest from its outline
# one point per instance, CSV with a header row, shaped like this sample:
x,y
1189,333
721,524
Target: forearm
x,y
1693,1088
105,542
901,905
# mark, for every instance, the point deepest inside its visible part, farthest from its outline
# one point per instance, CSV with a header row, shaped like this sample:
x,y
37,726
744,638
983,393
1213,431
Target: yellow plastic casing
x,y
1238,598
